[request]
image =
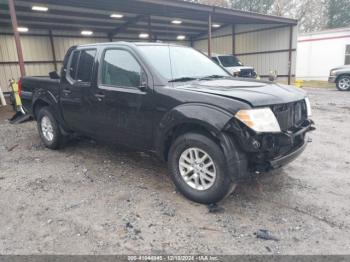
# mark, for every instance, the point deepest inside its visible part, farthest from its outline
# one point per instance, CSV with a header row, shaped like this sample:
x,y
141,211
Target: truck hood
x,y
255,93
346,67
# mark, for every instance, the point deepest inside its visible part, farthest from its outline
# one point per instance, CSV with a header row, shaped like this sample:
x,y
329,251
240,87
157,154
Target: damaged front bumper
x,y
270,151
296,150
289,157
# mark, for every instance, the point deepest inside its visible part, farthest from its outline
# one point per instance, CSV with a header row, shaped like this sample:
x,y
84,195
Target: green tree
x,y
338,13
259,6
313,15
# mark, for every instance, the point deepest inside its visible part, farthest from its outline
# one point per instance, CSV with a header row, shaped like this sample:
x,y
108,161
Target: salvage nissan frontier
x,y
212,129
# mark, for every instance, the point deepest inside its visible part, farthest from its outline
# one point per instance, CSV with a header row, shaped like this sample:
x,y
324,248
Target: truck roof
x,y
129,44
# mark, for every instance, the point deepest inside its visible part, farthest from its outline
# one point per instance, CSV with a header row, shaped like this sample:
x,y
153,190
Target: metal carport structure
x,y
266,42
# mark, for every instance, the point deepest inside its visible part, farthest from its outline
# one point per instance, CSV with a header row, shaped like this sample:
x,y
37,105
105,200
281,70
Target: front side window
x,y
175,62
347,55
120,68
85,66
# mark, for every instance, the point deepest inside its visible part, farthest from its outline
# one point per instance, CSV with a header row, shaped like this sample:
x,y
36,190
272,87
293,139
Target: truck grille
x,y
290,115
246,73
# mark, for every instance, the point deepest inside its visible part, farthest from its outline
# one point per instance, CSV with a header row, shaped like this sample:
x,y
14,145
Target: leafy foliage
x,y
259,6
313,15
338,13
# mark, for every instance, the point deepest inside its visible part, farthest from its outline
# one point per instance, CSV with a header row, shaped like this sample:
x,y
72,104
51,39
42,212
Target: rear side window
x,y
86,63
72,71
120,69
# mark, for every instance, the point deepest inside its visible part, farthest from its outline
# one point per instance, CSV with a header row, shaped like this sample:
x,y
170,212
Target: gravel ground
x,y
90,198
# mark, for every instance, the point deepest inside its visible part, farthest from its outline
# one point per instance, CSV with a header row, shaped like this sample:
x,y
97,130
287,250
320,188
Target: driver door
x,y
122,100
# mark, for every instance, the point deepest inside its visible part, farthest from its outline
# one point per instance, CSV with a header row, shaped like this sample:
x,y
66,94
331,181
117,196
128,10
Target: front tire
x,y
48,128
343,83
198,168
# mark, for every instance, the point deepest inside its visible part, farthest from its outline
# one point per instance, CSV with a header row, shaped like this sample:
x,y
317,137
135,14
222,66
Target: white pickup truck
x,y
235,67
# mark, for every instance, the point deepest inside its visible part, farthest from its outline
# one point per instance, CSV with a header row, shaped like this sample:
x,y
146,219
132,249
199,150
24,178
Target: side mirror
x,y
54,75
143,81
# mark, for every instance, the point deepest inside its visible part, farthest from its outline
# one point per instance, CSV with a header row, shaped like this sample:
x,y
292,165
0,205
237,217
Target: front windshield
x,y
177,62
230,61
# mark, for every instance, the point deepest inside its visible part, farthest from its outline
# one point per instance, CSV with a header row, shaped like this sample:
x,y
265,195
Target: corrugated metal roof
x,y
137,14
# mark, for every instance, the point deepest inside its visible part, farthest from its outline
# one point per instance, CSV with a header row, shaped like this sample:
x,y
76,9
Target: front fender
x,y
211,118
214,120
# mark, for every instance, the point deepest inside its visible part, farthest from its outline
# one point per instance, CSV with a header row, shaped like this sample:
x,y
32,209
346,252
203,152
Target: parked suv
x,y
340,76
235,67
212,129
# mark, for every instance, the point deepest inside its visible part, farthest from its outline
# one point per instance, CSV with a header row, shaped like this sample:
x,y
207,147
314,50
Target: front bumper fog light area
x,y
261,120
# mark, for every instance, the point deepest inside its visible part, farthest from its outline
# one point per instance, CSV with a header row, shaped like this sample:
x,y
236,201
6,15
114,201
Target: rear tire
x,y
198,168
343,83
48,128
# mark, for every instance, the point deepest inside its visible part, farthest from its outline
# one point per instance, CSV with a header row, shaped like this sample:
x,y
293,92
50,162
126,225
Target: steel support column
x,y
150,37
17,38
53,50
233,39
290,50
209,35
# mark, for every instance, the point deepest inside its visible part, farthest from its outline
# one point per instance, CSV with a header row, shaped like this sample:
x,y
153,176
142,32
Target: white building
x,y
319,52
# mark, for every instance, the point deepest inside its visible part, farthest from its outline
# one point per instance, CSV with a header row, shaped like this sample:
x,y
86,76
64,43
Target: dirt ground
x,y
90,198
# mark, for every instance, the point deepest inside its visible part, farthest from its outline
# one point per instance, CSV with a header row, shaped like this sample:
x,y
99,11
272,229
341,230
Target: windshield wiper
x,y
212,77
183,79
186,79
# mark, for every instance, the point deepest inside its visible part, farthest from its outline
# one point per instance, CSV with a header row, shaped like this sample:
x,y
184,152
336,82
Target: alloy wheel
x,y
47,128
344,83
197,168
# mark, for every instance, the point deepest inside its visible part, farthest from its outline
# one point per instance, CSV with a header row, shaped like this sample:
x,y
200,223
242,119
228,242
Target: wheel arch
x,y
37,105
208,120
201,118
341,75
42,98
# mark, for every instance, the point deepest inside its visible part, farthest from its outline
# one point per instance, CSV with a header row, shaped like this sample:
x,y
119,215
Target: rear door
x,y
74,89
123,107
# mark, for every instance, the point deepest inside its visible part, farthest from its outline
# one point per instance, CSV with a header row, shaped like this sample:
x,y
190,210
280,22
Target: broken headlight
x,y
261,120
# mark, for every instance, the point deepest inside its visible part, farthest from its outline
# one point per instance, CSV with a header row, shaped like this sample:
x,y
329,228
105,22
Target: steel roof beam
x,y
126,25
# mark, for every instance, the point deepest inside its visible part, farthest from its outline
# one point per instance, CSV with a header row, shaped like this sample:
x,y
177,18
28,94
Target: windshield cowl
x,y
201,78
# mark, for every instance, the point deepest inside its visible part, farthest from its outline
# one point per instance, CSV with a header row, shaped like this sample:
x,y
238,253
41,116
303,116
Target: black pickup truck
x,y
213,130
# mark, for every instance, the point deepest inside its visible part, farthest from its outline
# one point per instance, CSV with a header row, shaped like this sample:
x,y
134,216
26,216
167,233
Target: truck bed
x,y
32,84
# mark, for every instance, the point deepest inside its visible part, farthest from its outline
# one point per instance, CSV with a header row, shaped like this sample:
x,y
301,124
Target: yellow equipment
x,y
16,93
299,83
16,101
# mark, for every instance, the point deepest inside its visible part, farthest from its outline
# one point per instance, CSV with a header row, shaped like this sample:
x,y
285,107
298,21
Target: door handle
x,y
67,91
100,97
